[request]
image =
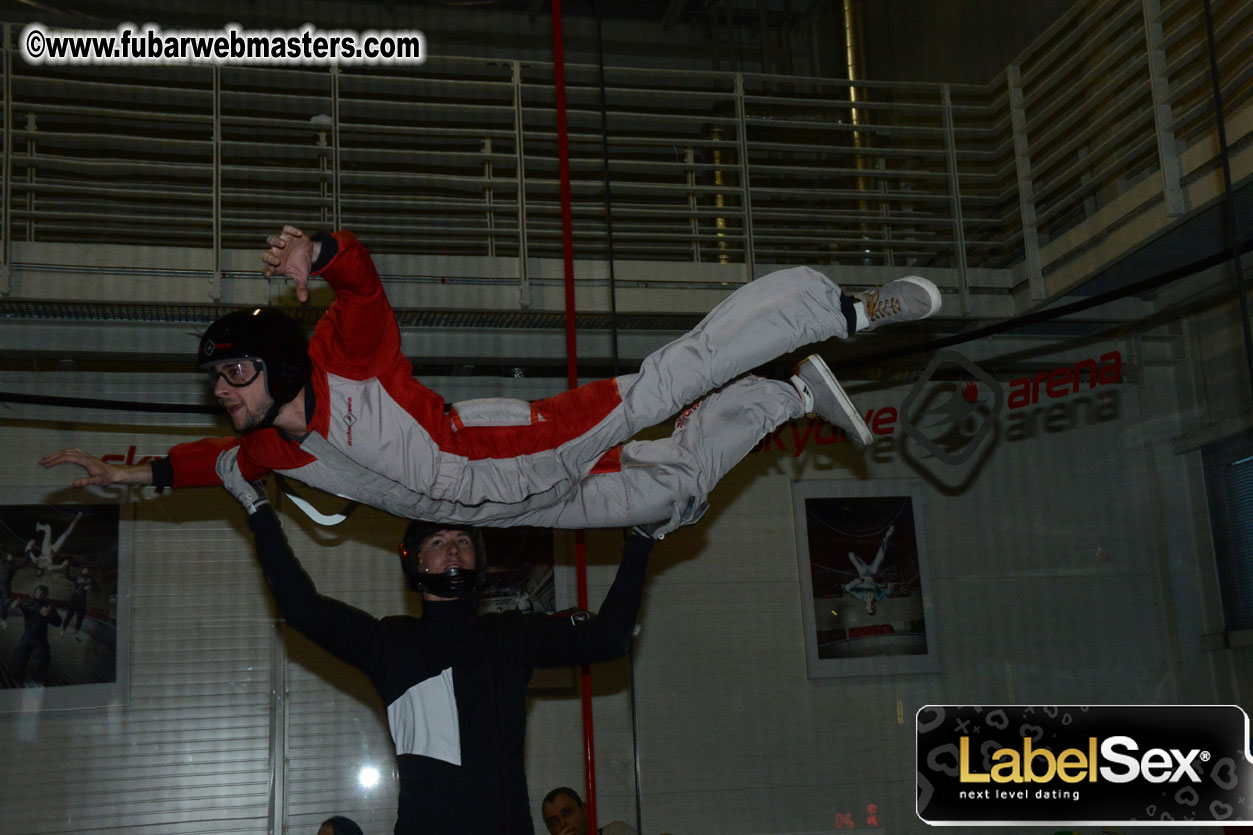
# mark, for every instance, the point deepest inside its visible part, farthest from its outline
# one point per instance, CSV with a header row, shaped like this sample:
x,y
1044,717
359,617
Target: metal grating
x,y
407,318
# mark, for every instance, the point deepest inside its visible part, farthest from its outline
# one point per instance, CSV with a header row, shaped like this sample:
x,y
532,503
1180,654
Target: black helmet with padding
x,y
265,334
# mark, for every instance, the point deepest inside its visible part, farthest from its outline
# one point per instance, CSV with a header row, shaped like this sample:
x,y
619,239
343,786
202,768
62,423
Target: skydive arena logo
x,y
1084,765
977,401
955,404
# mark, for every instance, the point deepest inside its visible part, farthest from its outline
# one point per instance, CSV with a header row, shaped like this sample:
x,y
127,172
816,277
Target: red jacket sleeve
x,y
358,337
195,462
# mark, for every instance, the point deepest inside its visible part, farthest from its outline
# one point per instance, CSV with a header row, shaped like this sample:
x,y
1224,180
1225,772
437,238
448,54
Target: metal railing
x,y
458,157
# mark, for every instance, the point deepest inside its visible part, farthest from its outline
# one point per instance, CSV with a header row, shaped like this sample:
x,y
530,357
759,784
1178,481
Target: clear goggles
x,y
237,373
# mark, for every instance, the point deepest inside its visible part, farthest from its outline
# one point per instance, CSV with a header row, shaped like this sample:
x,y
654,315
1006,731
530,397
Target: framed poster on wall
x,y
865,588
64,585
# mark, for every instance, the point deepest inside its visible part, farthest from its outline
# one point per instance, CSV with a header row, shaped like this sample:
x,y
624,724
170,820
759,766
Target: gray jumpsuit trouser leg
x,y
667,481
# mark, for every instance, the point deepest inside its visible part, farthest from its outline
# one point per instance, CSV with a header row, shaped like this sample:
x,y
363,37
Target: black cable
x,y
604,150
613,339
635,738
1229,202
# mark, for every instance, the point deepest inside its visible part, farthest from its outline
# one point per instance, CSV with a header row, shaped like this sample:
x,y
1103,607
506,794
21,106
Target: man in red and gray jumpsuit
x,y
355,422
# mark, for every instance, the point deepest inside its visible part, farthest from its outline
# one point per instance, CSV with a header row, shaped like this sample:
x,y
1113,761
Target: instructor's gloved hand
x,y
251,494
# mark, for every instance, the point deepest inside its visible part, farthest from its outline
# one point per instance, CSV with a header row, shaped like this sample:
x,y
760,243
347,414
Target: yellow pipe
x,y
856,72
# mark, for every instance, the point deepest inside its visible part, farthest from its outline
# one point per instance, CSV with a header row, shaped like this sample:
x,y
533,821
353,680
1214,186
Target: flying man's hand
x,y
98,472
291,254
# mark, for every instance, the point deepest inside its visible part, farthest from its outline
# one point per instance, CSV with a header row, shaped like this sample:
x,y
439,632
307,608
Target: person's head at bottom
x,y
563,812
339,825
443,562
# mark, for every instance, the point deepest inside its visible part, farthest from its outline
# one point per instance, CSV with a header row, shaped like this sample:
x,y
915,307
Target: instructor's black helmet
x,y
265,334
456,582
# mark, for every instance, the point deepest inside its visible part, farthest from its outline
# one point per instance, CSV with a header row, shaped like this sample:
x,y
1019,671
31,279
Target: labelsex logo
x,y
1084,764
1040,765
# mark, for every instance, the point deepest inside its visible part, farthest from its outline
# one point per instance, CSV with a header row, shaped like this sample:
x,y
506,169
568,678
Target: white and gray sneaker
x,y
824,396
904,300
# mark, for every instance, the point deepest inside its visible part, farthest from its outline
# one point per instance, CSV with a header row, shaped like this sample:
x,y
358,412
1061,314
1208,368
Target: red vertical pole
x,y
572,381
